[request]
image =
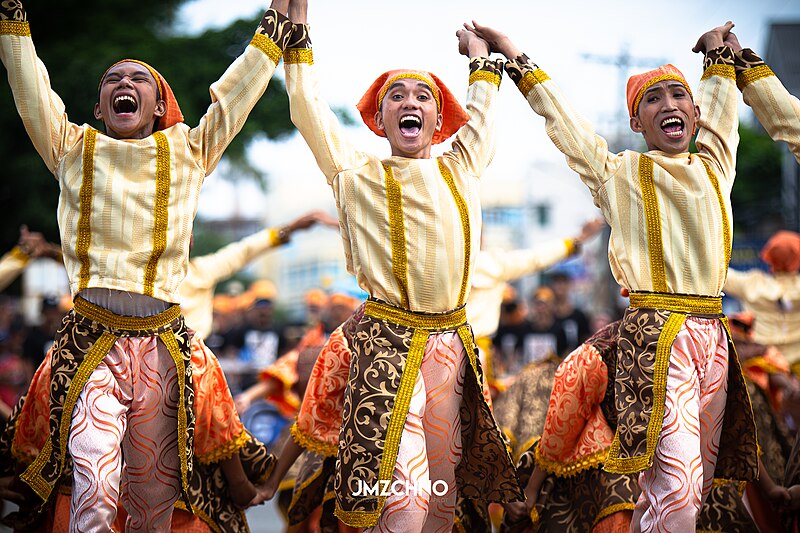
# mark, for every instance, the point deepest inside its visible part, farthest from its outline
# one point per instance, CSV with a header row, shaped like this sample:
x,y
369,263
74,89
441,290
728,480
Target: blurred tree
x,y
77,40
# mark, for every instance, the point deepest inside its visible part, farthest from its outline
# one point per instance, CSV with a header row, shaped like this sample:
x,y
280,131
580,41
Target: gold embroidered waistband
x,y
131,323
681,303
449,320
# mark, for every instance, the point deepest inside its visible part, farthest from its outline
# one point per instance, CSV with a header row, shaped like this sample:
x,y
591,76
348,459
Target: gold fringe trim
x,y
226,450
130,323
84,237
463,213
397,233
629,465
611,509
32,474
483,75
294,56
403,317
15,27
311,444
529,79
572,468
726,229
652,214
746,77
160,210
679,303
724,71
652,81
265,44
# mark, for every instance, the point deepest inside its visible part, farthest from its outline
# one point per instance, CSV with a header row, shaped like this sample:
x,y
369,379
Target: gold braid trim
x,y
17,253
569,469
311,444
611,509
723,71
397,233
529,79
679,303
629,465
266,45
414,76
653,219
169,340
299,489
746,77
449,320
293,56
226,450
160,210
15,27
84,238
203,516
484,75
463,213
32,475
726,230
131,323
738,370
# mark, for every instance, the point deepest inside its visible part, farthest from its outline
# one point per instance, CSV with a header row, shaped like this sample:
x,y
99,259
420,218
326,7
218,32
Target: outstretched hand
x,y
591,228
497,41
310,219
471,45
713,38
732,41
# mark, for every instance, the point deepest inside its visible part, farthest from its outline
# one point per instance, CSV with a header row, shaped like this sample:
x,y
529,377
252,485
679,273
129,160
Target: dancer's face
x,y
129,103
666,117
409,116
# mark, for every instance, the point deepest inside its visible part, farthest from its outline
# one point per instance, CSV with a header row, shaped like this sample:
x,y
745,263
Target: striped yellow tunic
x,y
410,227
126,207
670,215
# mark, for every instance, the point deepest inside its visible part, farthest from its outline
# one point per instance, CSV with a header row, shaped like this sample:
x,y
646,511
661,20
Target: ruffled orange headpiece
x,y
639,83
782,252
453,115
173,113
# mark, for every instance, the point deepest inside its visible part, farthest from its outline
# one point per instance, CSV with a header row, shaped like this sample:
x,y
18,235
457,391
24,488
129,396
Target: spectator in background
x,y
573,321
511,329
545,336
40,337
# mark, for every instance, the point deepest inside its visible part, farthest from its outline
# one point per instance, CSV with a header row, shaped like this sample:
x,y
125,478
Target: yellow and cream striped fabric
x,y
494,268
126,206
197,289
11,265
775,108
670,215
774,299
410,227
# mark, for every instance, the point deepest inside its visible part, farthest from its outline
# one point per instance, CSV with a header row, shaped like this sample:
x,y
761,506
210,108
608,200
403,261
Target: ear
x,y
97,113
696,118
161,108
379,119
439,122
636,124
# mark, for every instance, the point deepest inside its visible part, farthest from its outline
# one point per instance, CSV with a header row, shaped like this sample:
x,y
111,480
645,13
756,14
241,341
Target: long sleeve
x,y
586,152
717,98
736,283
235,94
519,263
576,434
230,259
474,144
775,108
11,266
40,108
312,115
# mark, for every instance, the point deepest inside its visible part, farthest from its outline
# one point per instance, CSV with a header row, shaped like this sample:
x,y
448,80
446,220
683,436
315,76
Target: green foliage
x,y
77,41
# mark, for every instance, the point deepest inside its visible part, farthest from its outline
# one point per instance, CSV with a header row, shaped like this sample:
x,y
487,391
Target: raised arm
x,y
310,113
718,126
474,144
40,108
235,94
587,153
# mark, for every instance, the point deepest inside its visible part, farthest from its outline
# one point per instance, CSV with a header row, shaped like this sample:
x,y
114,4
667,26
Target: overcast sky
x,y
355,40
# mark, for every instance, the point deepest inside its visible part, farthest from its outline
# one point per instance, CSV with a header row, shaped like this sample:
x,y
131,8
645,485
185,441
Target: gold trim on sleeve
x,y
653,218
746,77
483,75
726,229
571,468
265,44
226,450
15,27
723,71
397,233
160,210
463,213
529,79
294,56
312,444
84,237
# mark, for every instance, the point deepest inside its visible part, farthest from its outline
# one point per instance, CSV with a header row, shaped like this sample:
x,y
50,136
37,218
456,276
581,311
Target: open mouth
x,y
672,127
125,104
410,125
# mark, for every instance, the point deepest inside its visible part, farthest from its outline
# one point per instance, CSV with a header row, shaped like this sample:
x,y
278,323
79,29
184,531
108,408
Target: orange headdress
x,y
453,115
639,83
173,113
782,252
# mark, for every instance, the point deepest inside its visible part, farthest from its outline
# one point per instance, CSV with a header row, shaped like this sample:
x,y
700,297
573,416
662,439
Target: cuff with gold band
x,y
749,68
485,69
524,73
719,62
14,19
299,48
280,236
273,34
